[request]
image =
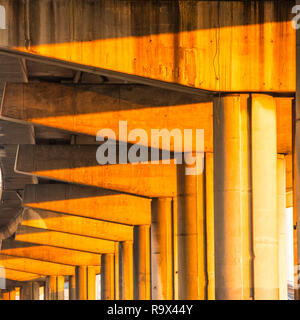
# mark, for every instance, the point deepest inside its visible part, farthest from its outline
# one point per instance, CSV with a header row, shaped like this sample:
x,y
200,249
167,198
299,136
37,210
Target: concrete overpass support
x,y
282,230
56,287
246,218
264,197
142,263
127,270
232,198
162,249
108,277
72,287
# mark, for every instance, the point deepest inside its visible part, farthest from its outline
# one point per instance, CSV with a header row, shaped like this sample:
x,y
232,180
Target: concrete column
x,y
81,282
264,197
56,287
35,291
27,291
210,234
142,263
282,236
60,287
162,249
91,283
107,277
232,197
117,271
296,170
127,270
6,295
72,288
12,294
191,229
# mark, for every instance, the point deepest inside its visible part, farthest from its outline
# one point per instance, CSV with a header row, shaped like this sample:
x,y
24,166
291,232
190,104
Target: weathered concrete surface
x,y
35,266
76,225
16,275
87,112
89,202
78,164
50,254
64,240
212,45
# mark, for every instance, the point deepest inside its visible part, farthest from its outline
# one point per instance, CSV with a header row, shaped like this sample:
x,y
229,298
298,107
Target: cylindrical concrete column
x,y
232,197
162,249
127,270
117,271
72,288
282,231
107,277
191,226
264,197
12,294
91,283
143,263
53,288
6,295
81,282
60,287
210,234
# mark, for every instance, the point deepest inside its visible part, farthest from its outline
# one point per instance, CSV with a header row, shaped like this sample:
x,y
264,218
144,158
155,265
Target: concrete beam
x,y
64,240
145,107
76,225
35,266
180,36
82,201
78,164
17,275
50,254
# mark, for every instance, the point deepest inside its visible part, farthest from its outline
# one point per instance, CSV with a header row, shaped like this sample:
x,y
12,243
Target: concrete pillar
x,y
6,295
27,291
191,229
117,271
91,283
127,270
60,287
210,234
81,282
107,277
296,170
142,263
35,291
72,288
282,232
162,249
56,287
232,198
12,294
264,197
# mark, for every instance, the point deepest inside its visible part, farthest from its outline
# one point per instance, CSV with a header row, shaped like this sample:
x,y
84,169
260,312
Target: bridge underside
x,y
210,227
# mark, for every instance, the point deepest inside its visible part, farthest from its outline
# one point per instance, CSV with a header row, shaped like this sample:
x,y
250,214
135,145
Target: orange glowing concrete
x,y
35,266
77,164
142,107
64,240
76,225
16,275
82,201
194,44
50,254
